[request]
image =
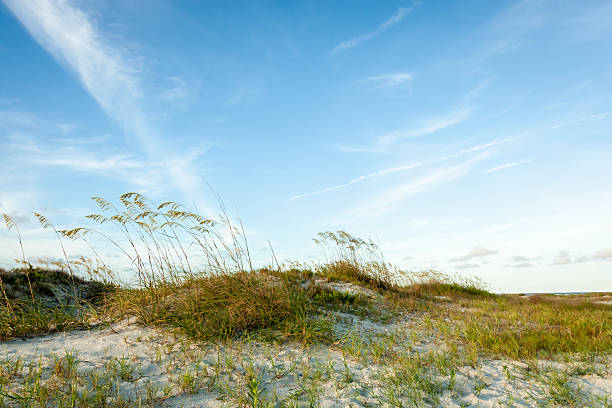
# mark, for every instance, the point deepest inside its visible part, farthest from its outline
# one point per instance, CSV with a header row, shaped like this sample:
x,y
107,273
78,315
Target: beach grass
x,y
222,296
193,276
533,327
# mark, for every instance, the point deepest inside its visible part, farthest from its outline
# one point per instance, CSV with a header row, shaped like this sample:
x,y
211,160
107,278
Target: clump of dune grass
x,y
39,301
352,259
45,296
226,306
49,286
195,273
435,283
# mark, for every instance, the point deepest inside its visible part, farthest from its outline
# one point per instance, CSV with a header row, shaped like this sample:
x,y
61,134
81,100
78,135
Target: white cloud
x,y
177,92
477,89
13,204
466,266
523,265
519,258
408,166
519,19
430,126
81,162
559,104
66,128
519,261
357,180
72,38
88,156
581,259
597,116
19,141
580,86
389,198
12,120
562,258
18,119
476,252
605,254
565,258
504,46
107,72
507,165
353,42
387,80
477,148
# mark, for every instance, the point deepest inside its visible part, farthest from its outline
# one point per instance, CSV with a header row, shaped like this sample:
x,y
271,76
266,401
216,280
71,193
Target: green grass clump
x,y
368,275
435,283
225,306
30,319
51,286
355,260
40,301
524,328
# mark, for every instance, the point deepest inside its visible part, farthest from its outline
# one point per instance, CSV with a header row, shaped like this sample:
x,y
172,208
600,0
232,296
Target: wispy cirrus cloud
x,y
428,127
357,180
354,42
507,165
580,86
596,116
408,166
387,80
66,128
12,118
558,104
388,199
106,71
15,120
433,125
178,91
89,158
469,97
476,148
73,39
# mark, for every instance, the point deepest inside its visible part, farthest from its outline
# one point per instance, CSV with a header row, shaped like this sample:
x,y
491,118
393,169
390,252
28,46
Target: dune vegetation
x,y
193,278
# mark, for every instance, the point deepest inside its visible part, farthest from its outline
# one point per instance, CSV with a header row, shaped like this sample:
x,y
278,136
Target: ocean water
x,y
559,293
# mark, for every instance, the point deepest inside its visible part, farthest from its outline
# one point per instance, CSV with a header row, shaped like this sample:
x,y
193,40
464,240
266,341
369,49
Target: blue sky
x,y
473,137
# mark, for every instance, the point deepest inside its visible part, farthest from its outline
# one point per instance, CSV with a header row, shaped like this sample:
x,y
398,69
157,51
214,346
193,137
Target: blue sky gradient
x,y
472,137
